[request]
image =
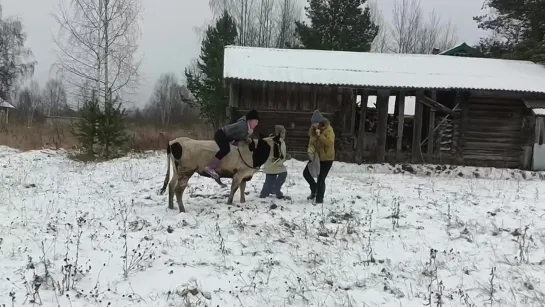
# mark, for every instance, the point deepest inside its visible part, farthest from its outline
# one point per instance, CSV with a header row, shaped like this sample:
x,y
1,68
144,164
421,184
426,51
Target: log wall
x,y
492,134
292,106
486,129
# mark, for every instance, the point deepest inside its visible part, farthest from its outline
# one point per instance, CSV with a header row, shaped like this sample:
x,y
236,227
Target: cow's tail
x,y
167,177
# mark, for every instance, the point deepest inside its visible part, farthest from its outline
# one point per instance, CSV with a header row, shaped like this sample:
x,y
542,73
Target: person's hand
x,y
288,157
318,132
249,140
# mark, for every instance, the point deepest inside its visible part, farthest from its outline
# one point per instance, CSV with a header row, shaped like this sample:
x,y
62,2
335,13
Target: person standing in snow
x,y
237,131
322,145
275,170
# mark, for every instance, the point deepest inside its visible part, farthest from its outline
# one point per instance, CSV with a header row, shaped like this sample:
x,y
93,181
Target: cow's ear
x,y
276,139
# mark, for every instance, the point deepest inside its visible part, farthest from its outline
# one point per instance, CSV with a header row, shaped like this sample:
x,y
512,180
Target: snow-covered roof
x,y
5,104
381,70
540,112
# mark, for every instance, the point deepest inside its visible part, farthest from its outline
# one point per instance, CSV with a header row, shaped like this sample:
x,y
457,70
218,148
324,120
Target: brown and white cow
x,y
188,156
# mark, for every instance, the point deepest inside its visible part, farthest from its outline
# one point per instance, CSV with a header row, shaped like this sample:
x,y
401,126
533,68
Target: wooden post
x,y
353,102
417,132
538,132
431,128
314,101
464,121
400,107
383,97
233,101
361,129
229,112
289,90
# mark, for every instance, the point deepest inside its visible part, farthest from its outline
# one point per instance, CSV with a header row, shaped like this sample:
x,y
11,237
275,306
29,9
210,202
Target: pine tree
x,y
112,134
206,84
101,129
337,25
87,128
518,27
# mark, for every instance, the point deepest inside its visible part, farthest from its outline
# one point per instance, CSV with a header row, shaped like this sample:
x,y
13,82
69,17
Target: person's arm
x,y
327,138
237,131
313,136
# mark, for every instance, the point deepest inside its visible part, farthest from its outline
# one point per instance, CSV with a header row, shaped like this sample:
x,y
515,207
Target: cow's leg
x,y
241,191
171,188
234,188
245,179
235,184
183,178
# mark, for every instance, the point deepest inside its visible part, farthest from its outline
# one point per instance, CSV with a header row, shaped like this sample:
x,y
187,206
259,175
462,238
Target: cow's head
x,y
261,150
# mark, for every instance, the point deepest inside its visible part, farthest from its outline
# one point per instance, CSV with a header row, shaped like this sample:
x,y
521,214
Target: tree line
x,y
97,44
344,25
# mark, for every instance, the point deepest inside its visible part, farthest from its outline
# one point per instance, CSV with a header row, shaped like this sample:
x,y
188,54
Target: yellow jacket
x,y
324,144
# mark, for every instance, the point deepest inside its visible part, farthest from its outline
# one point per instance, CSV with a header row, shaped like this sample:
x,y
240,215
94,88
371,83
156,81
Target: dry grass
x,y
59,135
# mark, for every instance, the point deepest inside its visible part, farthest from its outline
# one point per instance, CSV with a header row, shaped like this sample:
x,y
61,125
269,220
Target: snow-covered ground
x,y
385,237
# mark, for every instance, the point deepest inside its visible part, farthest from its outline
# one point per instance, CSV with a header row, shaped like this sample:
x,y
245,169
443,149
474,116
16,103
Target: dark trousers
x,y
273,184
317,189
223,143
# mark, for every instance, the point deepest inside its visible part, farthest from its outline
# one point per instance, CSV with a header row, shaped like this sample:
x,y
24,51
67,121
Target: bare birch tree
x,y
54,97
288,12
29,101
412,33
97,44
380,43
16,61
166,97
261,23
170,103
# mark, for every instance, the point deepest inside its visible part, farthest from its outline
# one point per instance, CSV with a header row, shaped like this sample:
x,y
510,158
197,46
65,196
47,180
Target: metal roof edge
x,y
392,87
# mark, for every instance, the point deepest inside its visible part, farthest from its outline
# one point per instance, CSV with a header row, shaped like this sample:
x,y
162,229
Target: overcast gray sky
x,y
169,40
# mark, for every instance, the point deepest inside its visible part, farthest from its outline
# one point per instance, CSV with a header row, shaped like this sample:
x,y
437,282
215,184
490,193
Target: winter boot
x,y
211,171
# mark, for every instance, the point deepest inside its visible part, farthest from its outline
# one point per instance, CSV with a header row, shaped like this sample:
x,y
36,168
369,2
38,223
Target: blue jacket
x,y
237,131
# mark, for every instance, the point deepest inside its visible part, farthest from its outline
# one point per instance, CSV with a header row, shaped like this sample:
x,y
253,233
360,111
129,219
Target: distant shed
x,y
4,111
463,50
468,110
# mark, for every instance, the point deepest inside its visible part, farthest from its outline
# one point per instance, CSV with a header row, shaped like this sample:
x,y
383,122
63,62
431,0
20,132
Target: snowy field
x,y
99,235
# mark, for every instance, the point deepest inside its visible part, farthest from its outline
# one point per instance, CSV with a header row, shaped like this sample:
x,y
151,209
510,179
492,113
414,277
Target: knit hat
x,y
279,129
317,117
252,115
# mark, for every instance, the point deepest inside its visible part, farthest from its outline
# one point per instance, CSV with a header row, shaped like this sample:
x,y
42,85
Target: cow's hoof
x,y
171,208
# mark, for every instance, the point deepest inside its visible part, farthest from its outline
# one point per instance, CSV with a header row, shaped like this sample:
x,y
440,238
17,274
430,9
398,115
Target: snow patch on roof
x,y
539,112
5,104
386,70
410,102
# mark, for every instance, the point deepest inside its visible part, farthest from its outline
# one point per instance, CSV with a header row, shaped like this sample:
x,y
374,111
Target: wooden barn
x,y
467,110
